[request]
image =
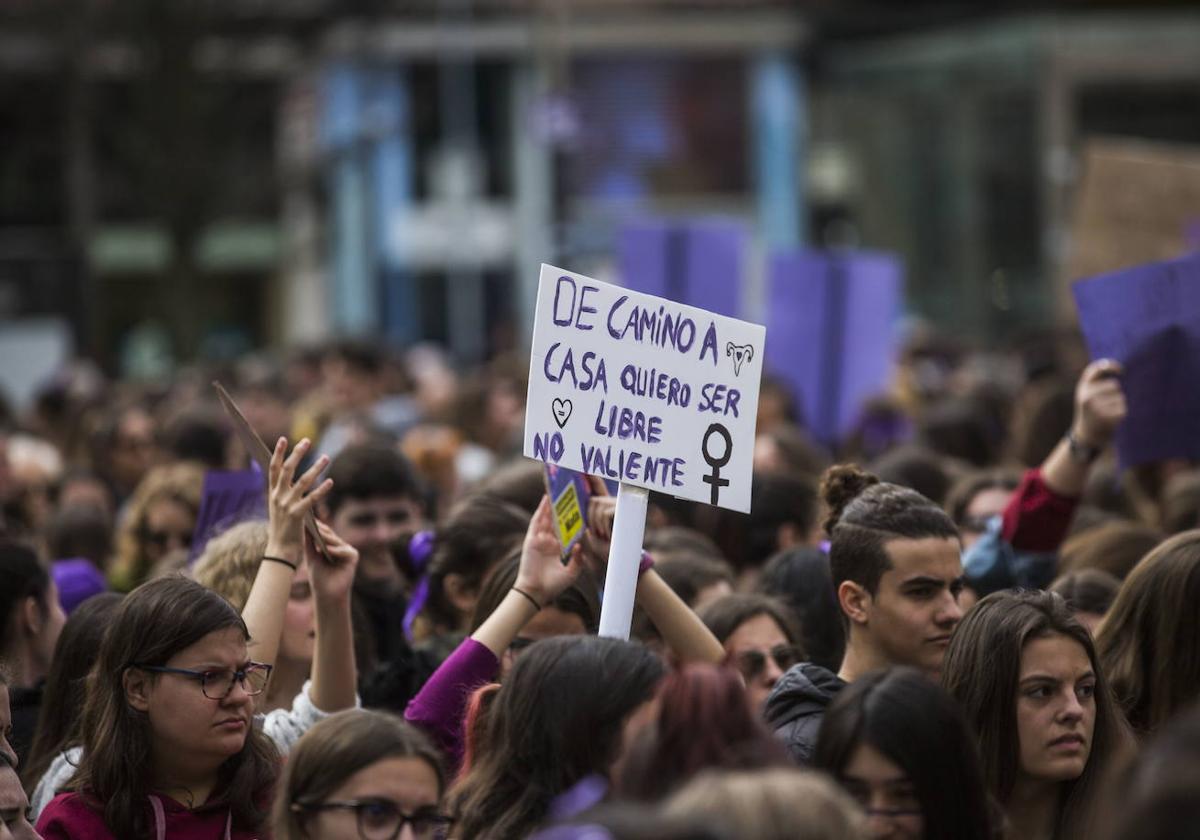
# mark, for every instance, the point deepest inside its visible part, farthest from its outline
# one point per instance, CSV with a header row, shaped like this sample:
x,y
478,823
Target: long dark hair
x,y
557,718
982,671
66,685
800,577
1154,622
155,622
334,750
905,716
477,533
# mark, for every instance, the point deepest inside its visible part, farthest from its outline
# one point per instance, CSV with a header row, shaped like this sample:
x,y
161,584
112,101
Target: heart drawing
x,y
562,412
740,353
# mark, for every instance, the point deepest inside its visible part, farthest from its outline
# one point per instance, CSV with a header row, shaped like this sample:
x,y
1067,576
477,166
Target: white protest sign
x,y
643,390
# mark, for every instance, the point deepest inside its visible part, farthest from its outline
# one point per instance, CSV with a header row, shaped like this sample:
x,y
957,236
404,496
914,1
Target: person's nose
x,y
771,672
239,695
1072,709
381,532
949,611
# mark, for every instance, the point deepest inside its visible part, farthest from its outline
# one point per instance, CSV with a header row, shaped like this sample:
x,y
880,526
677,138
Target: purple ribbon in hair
x,y
420,549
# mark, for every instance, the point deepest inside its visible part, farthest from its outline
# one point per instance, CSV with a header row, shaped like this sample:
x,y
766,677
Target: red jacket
x,y
70,817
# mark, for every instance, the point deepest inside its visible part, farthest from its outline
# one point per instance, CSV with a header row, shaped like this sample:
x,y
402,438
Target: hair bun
x,y
840,485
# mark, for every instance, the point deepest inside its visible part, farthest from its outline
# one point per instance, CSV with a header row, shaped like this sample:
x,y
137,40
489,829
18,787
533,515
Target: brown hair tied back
x,y
840,485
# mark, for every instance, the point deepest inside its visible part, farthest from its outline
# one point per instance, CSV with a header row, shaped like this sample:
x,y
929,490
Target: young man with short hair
x,y
897,573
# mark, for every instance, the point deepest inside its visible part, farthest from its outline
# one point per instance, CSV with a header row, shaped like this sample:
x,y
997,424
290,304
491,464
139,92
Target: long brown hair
x,y
557,718
1150,639
66,685
982,671
334,750
153,623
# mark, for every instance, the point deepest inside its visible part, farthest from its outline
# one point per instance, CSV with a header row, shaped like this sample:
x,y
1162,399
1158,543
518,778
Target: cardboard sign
x,y
1132,206
832,320
642,390
1148,319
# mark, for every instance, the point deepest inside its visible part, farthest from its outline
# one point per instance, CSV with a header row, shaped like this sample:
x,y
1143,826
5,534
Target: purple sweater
x,y
440,706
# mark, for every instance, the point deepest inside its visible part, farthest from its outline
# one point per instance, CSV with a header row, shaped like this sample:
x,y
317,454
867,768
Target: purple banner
x,y
1148,318
229,498
831,332
693,261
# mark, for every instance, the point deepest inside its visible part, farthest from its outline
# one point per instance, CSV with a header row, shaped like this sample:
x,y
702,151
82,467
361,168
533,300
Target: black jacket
x,y
796,707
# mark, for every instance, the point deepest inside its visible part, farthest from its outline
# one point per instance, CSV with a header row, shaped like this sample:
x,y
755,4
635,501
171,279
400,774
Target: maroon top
x,y
1036,518
69,816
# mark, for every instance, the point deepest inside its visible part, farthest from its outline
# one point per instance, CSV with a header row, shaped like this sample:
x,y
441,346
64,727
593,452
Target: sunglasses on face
x,y
161,539
752,663
382,819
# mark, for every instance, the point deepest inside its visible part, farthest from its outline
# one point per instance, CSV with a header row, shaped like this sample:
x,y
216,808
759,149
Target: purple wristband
x,y
646,564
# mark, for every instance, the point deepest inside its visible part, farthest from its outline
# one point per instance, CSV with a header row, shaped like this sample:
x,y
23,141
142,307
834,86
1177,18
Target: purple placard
x,y
1191,234
692,261
229,497
831,332
1148,318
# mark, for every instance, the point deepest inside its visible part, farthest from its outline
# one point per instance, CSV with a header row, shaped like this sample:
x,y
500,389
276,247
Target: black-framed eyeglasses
x,y
382,819
752,663
218,683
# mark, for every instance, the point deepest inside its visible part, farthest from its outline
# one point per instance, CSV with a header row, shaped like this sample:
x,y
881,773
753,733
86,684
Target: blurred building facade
x,y
280,172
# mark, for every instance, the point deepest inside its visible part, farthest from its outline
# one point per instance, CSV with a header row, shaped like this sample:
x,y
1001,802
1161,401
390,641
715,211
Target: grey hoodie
x,y
796,707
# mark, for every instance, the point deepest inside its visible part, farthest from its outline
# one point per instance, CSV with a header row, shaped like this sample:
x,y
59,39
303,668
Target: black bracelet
x,y
288,563
532,600
1082,453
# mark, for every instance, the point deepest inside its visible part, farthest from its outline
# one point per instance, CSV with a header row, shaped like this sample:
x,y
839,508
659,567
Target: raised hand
x,y
333,574
1099,404
542,573
289,501
597,540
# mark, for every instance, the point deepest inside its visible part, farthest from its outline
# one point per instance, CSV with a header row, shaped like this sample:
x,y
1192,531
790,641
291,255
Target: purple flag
x,y
1148,319
831,332
229,497
693,261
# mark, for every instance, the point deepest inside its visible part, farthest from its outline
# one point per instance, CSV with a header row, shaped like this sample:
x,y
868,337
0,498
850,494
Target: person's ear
x,y
460,595
32,616
855,601
136,683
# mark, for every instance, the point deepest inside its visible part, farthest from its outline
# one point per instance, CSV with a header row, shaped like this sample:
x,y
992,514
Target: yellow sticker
x,y
568,515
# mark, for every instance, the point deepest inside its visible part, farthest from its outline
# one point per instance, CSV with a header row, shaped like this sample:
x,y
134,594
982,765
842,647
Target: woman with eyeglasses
x,y
170,749
900,746
171,745
759,637
362,775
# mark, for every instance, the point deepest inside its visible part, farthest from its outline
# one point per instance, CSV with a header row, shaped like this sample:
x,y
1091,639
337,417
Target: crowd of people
x,y
962,621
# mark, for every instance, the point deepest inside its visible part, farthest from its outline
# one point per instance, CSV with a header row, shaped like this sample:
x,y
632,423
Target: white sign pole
x,y
624,558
